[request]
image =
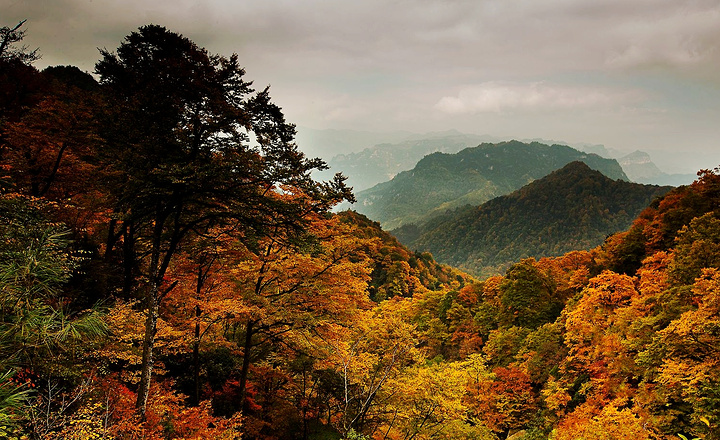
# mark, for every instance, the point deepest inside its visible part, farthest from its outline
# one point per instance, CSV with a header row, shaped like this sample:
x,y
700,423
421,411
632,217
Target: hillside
x,y
472,176
382,162
396,270
571,209
617,342
159,284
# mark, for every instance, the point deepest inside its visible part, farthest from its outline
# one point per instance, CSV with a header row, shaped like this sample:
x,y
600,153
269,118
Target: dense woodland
x,y
169,269
573,208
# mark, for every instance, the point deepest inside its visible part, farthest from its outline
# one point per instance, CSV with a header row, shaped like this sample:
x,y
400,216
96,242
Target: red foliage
x,y
508,402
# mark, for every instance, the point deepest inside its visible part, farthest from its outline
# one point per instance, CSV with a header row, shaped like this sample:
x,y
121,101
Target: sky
x,y
628,74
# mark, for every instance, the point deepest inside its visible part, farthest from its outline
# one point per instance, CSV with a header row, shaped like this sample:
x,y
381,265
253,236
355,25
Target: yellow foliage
x,y
692,342
88,423
556,396
427,399
652,276
127,325
611,423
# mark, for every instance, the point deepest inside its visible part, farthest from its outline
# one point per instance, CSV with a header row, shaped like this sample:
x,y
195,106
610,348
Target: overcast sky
x,y
629,74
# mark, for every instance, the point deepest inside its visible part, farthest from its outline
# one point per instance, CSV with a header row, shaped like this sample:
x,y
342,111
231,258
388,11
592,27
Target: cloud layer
x,y
609,67
501,97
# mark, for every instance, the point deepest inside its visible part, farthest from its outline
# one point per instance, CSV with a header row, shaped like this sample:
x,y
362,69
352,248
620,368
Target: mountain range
x,y
472,176
573,208
384,161
328,143
369,158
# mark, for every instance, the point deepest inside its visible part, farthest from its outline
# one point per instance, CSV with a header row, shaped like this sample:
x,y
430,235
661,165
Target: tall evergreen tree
x,y
180,160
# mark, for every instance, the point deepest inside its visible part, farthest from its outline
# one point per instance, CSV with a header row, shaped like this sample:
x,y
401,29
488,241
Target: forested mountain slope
x,y
617,342
573,208
163,278
397,271
472,176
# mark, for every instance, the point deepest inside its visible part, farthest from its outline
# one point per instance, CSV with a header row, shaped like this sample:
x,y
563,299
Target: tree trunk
x,y
148,346
202,276
128,258
153,306
111,239
196,357
246,361
51,177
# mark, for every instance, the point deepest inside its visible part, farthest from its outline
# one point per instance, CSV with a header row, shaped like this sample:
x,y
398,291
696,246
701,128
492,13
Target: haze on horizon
x,y
628,75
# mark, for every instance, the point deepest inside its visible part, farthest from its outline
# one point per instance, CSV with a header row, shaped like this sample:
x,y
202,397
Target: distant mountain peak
x,y
636,157
576,167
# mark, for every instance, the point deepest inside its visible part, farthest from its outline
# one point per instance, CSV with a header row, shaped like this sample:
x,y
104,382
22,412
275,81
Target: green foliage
x,y
504,344
33,253
627,250
542,351
14,398
471,177
573,208
35,262
39,330
486,317
352,435
527,297
697,247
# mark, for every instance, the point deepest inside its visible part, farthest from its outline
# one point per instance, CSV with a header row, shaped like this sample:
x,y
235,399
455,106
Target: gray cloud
x,y
603,71
499,97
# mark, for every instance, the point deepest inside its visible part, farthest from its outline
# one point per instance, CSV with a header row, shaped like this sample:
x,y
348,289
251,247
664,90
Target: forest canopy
x,y
169,269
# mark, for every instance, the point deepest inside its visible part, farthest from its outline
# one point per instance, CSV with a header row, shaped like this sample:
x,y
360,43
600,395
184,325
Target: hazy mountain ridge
x,y
640,168
382,162
638,165
329,142
472,176
369,158
571,209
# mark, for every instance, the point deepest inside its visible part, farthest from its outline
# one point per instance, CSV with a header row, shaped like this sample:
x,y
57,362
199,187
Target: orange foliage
x,y
612,422
595,331
506,402
167,416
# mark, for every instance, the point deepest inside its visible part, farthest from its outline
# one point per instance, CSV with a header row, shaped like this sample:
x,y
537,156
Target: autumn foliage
x,y
204,289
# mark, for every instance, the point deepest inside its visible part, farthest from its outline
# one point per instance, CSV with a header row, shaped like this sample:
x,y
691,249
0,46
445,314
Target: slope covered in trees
x,y
472,176
396,270
271,318
578,346
574,208
155,264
